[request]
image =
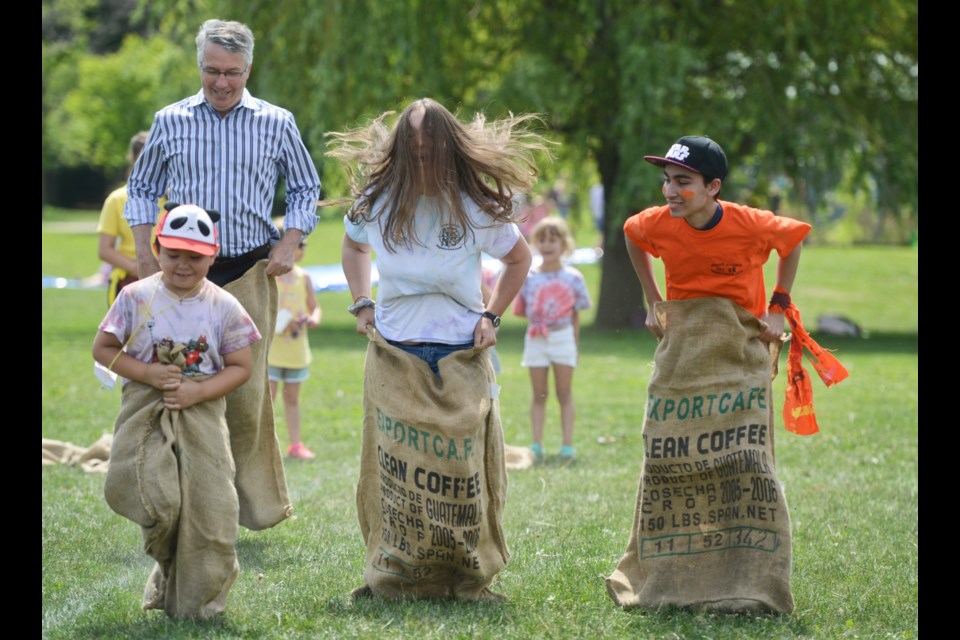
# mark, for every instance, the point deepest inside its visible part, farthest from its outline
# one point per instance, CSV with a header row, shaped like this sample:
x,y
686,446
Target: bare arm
x,y
643,265
786,274
516,265
355,259
106,249
237,367
787,269
147,264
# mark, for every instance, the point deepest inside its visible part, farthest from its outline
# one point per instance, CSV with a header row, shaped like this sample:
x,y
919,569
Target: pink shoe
x,y
300,451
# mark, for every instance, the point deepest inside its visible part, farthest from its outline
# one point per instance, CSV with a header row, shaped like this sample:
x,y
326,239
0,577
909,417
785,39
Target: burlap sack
x,y
92,459
711,528
172,473
432,477
518,458
261,483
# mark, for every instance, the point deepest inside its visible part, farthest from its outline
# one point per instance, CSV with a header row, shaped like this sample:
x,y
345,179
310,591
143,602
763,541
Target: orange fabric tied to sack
x,y
798,414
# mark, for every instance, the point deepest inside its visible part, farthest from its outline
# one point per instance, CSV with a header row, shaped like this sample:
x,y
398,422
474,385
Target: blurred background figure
x,y
597,208
116,247
561,197
290,356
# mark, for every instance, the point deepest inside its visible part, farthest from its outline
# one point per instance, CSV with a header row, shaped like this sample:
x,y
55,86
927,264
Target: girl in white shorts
x,y
551,299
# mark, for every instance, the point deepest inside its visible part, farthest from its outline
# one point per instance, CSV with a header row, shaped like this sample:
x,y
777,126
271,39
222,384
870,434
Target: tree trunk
x,y
621,296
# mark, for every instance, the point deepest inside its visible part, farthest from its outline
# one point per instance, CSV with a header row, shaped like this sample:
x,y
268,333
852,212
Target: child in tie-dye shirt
x,y
551,299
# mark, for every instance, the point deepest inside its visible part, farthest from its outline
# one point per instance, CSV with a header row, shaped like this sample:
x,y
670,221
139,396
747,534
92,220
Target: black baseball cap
x,y
697,153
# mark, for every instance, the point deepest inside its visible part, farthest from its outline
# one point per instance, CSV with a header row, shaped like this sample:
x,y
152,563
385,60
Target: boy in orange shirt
x,y
709,247
713,253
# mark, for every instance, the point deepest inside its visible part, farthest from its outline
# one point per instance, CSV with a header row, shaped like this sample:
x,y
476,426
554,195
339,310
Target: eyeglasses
x,y
229,74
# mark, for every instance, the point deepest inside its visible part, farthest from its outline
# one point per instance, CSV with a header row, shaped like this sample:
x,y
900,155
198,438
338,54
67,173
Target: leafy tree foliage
x,y
102,78
791,89
116,95
812,97
807,94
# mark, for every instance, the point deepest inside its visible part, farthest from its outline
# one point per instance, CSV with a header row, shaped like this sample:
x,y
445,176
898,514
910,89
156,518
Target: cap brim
x,y
660,162
182,244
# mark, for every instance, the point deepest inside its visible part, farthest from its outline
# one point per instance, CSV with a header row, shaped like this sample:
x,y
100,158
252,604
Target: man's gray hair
x,y
235,37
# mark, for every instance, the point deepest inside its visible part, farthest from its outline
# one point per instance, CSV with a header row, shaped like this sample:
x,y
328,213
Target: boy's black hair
x,y
707,180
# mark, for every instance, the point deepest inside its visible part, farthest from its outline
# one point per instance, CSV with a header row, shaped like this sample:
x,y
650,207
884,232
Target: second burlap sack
x,y
432,476
711,528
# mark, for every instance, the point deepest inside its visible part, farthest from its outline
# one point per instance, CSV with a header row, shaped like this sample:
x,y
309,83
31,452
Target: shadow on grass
x,y
255,553
482,619
156,624
374,617
676,622
424,613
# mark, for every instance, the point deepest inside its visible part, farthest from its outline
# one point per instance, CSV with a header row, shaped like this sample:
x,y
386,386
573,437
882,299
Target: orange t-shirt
x,y
723,262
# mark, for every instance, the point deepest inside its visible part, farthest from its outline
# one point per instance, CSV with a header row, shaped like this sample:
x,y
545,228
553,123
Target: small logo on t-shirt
x,y
450,238
679,151
726,268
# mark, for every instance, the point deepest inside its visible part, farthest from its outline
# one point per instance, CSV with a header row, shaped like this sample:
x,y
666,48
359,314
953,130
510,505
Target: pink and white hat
x,y
188,227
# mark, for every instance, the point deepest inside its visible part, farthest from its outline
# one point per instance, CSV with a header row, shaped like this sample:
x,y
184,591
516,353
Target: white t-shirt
x,y
431,293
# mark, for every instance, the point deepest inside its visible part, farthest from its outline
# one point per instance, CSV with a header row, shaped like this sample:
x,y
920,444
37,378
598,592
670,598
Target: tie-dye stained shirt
x,y
549,299
211,323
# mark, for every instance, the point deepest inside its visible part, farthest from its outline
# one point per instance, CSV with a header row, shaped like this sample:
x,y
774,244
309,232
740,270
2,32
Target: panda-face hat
x,y
188,227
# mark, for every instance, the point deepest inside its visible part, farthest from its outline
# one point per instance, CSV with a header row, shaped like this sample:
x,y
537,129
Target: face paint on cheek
x,y
686,194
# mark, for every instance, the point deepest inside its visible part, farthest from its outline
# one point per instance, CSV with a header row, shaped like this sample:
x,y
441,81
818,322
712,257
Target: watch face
x,y
494,319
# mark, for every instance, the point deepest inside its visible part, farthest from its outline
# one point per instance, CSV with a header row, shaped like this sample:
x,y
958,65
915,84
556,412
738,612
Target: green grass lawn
x,y
852,489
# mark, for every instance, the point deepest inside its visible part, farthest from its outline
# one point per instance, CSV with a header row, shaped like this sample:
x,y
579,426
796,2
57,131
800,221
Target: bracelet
x,y
780,301
361,303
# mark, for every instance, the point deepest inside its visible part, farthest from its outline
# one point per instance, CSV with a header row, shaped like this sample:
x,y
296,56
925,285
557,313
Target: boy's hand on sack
x,y
163,376
652,325
184,396
774,323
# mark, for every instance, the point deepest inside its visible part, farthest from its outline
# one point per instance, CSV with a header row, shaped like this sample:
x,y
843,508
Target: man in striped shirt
x,y
224,150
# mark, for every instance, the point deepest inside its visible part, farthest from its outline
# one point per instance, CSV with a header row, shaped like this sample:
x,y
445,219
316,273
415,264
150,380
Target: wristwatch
x,y
361,303
492,317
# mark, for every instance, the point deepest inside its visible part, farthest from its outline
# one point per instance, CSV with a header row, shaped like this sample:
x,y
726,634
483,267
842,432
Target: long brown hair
x,y
487,161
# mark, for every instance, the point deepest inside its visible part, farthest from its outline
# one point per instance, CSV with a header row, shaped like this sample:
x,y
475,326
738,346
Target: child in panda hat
x,y
181,344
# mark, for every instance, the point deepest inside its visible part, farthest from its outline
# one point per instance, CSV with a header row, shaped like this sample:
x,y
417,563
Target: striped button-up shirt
x,y
230,165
